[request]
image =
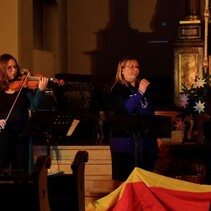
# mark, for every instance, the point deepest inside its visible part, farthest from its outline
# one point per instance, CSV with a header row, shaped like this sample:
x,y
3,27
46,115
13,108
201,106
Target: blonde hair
x,y
119,77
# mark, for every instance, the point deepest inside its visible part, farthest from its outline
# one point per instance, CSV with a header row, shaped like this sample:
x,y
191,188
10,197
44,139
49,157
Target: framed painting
x,y
188,69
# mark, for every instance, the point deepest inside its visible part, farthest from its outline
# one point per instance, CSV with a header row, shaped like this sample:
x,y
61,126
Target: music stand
x,y
140,126
48,124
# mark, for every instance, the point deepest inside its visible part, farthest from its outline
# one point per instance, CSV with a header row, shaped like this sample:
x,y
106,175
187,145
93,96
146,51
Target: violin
x,y
30,82
26,81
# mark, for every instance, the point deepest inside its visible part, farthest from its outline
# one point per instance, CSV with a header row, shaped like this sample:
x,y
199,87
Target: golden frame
x,y
187,66
188,69
209,62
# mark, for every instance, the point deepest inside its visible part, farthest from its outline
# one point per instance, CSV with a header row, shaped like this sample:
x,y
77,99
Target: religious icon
x,y
188,69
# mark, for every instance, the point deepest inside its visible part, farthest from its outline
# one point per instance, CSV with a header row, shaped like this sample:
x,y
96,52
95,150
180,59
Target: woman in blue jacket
x,y
128,96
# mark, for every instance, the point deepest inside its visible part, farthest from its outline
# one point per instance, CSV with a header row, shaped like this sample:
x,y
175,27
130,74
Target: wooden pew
x,y
19,191
66,191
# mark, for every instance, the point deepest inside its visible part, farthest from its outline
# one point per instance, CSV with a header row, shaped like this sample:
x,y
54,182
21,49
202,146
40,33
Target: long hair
x,y
4,59
119,76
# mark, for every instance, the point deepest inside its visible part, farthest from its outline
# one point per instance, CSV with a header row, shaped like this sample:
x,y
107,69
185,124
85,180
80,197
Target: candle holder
x,y
193,10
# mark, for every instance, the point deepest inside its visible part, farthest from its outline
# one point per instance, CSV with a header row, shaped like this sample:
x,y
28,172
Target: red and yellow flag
x,y
148,191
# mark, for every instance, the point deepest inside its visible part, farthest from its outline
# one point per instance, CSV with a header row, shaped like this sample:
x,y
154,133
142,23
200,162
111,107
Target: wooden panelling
x,y
98,180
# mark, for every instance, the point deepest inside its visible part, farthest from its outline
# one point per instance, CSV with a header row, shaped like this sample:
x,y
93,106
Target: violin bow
x,y
10,111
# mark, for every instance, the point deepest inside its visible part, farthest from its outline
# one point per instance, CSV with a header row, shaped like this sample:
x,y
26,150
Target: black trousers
x,y
14,151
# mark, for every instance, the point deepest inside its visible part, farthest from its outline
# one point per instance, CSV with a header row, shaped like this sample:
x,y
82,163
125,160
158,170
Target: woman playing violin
x,y
15,107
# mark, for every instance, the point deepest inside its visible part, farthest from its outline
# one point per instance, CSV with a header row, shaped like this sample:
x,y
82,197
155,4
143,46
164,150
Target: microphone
x,y
139,78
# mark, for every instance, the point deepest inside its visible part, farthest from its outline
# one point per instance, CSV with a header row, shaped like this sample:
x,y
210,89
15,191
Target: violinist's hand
x,y
43,82
143,84
2,123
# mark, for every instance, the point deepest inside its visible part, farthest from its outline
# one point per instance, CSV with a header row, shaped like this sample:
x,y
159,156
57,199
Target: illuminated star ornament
x,y
193,99
179,125
200,82
199,106
183,100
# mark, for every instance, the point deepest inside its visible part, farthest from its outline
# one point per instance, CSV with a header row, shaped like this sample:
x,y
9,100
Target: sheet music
x,y
72,127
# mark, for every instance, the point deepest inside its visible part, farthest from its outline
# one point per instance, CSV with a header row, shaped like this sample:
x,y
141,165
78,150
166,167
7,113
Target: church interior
x,y
79,43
